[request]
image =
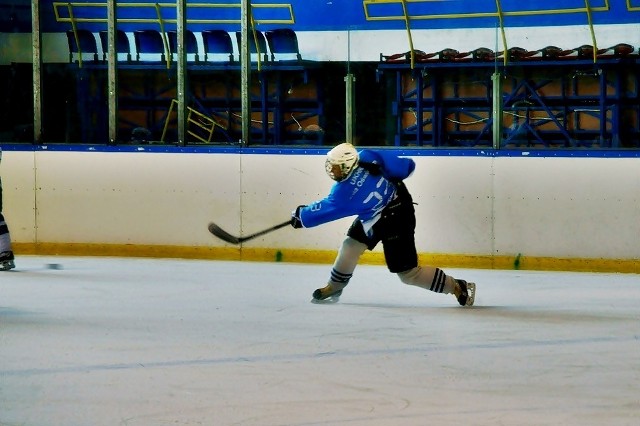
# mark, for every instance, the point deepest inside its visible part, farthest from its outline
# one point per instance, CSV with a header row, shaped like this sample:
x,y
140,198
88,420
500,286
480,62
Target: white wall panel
x,y
134,198
567,207
18,193
453,211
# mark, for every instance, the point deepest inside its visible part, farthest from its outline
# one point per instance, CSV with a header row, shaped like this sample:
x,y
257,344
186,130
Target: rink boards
x,y
478,208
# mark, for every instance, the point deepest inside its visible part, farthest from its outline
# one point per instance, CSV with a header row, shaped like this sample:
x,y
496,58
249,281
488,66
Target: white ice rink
x,y
110,341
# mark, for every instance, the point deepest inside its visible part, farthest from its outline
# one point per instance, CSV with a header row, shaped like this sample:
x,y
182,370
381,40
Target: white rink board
x,y
550,207
560,207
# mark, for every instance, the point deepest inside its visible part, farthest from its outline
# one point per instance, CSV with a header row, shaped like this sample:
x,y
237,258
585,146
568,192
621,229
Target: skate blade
x,y
471,294
6,265
328,301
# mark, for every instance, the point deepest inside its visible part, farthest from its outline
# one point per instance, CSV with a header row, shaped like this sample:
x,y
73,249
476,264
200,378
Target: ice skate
x,y
327,294
6,261
465,292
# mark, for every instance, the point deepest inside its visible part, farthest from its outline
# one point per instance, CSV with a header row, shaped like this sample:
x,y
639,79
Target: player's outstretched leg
x,y
434,279
465,292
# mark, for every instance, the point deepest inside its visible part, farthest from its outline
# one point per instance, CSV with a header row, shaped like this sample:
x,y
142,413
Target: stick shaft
x,y
225,236
266,231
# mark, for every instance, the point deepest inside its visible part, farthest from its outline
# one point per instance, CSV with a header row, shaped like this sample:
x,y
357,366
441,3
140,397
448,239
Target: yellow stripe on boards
x,y
327,256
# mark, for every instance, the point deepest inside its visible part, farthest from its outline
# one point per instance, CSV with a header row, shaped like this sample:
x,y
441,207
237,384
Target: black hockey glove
x,y
295,217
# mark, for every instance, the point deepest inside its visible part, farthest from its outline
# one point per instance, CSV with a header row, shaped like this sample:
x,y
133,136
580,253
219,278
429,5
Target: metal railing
x,y
421,11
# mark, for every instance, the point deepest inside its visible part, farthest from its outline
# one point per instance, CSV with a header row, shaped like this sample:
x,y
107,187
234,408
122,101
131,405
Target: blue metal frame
x,y
151,97
618,88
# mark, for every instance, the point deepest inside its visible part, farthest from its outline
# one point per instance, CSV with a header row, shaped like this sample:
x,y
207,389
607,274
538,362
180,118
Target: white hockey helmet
x,y
345,157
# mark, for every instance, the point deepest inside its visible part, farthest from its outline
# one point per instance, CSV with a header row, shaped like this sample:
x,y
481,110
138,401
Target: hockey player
x,y
6,254
369,185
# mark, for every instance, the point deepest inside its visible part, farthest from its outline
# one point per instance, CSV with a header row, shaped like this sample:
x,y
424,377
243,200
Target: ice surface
x,y
112,341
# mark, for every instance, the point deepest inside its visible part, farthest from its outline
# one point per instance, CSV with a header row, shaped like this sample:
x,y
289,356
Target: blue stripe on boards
x,y
409,152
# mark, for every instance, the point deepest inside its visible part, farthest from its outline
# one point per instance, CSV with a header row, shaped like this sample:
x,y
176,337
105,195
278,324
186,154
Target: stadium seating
x,y
262,45
191,45
82,48
283,44
123,48
150,46
217,46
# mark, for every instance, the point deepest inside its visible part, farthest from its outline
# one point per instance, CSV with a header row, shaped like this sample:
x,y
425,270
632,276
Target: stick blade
x,y
222,234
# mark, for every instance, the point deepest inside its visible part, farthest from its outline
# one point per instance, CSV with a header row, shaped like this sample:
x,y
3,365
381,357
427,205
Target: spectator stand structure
x,y
561,97
286,94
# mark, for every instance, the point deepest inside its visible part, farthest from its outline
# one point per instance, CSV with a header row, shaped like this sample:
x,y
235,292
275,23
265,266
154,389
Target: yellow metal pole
x,y
502,33
165,41
593,34
408,25
74,27
255,40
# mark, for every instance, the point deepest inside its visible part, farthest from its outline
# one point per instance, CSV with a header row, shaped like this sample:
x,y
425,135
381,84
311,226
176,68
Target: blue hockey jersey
x,y
361,193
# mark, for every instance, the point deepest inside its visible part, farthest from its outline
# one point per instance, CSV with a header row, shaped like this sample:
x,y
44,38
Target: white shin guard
x,y
429,278
346,261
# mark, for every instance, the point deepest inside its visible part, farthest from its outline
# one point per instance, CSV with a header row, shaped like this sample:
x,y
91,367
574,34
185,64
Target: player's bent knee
x,y
410,276
353,244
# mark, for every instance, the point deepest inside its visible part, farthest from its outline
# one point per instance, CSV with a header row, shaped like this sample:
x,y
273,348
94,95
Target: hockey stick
x,y
225,236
